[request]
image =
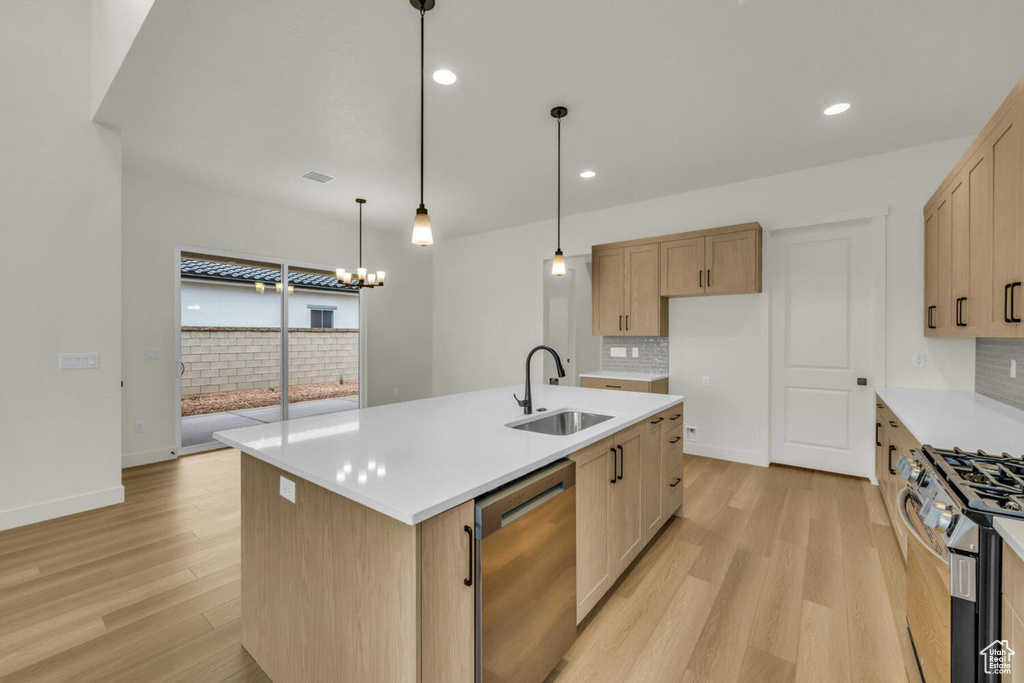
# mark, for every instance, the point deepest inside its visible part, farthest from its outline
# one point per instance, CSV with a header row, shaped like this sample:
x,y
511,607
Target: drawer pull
x,y
675,483
660,419
676,416
612,386
675,440
893,425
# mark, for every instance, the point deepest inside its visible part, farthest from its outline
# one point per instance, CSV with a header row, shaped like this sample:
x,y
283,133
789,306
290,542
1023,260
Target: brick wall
x,y
992,370
219,359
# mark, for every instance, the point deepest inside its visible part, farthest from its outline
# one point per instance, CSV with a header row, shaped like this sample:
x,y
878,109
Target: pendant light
x,y
558,264
360,278
421,233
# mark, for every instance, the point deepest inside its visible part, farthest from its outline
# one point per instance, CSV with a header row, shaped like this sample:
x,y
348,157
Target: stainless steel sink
x,y
560,423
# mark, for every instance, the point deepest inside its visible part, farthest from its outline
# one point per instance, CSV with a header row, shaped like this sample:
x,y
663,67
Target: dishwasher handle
x,y
518,500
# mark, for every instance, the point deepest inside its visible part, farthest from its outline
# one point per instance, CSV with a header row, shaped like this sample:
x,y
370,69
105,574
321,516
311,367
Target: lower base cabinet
x,y
892,441
1013,610
627,487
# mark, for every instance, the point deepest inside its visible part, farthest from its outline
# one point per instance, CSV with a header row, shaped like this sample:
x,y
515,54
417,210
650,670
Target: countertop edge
x,y
419,517
1011,531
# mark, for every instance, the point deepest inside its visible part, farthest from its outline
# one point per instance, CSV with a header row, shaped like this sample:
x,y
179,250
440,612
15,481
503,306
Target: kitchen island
x,y
357,527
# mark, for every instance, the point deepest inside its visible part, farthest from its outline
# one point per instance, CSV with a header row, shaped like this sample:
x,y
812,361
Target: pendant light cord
x,y
423,15
360,235
559,222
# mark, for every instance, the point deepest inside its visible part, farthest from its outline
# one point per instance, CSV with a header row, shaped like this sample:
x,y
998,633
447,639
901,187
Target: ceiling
x,y
664,96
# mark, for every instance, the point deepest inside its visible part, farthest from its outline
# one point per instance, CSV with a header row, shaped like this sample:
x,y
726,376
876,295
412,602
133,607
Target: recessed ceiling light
x,y
838,108
587,174
445,77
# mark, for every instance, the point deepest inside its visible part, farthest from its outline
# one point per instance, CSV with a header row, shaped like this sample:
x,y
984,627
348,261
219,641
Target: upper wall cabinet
x,y
974,235
632,280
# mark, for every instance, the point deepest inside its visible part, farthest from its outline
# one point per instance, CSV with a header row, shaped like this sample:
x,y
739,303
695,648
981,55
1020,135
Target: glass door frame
x,y
284,264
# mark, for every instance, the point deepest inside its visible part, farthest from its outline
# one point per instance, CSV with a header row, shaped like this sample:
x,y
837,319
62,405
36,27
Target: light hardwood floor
x,y
775,574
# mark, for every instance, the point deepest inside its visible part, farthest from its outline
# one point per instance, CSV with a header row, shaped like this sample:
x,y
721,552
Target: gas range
x,y
948,506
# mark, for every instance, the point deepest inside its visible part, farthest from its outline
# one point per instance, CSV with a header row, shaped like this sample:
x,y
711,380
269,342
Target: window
x,y
321,318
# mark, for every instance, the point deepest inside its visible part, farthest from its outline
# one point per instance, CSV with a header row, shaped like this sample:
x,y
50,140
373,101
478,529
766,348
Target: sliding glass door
x,y
239,366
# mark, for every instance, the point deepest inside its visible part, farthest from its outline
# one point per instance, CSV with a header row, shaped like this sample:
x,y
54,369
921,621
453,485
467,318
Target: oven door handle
x,y
901,508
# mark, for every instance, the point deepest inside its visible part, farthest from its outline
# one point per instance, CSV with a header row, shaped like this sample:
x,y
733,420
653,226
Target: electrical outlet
x,y
705,381
689,433
636,352
618,352
288,489
918,360
140,426
394,394
78,361
1013,368
152,354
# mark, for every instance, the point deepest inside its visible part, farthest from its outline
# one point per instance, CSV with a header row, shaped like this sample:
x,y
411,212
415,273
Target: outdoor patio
x,y
198,429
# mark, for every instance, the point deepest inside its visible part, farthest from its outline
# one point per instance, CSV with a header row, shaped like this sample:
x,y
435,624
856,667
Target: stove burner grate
x,y
988,483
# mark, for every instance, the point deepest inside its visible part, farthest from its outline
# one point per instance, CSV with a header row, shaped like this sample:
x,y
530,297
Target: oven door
x,y
928,595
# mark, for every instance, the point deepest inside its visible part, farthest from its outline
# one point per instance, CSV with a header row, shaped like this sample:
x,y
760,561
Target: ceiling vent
x,y
318,177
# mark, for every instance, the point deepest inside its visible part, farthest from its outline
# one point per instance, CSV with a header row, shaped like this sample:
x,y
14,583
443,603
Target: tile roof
x,y
233,272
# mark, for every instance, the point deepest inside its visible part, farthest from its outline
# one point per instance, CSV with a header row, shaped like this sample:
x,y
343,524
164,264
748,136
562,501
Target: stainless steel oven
x,y
953,565
526,576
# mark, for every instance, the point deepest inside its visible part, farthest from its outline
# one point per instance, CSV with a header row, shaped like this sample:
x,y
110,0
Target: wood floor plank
x,y
776,627
824,651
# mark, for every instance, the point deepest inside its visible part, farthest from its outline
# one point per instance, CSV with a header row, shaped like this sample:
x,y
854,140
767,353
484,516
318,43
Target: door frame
x,y
876,219
284,265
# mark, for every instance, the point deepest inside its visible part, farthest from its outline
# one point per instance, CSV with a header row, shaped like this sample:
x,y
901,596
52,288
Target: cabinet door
x,y
880,471
1007,227
977,310
733,262
594,571
625,538
931,267
682,267
447,604
652,492
942,315
960,254
609,292
643,297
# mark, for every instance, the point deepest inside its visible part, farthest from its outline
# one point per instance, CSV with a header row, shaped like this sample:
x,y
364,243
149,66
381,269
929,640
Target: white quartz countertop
x,y
413,460
964,419
632,376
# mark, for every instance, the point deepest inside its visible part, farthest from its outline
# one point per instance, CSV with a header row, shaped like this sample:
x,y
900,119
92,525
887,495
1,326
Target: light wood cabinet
x,y
892,441
594,572
1013,611
682,267
609,292
626,300
658,386
626,534
974,235
633,280
733,262
622,500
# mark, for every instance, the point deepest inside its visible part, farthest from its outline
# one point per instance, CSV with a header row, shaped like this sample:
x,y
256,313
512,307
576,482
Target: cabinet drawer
x,y
615,384
897,431
672,448
674,490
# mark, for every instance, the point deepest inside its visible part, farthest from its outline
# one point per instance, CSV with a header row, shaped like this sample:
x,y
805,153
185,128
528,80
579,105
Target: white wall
x,y
60,248
206,303
488,293
159,213
115,23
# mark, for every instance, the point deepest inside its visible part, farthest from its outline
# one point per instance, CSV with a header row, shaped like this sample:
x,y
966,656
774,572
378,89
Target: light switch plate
x,y
140,426
705,381
288,489
618,352
918,360
636,352
1013,368
78,361
152,354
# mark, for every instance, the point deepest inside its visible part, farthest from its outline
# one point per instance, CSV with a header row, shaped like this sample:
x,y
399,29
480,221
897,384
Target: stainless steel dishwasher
x,y
525,541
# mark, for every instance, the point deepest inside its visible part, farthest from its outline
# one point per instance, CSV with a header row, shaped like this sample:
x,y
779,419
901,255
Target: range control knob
x,y
937,516
903,466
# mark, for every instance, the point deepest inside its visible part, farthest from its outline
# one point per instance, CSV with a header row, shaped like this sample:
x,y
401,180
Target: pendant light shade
x,y
558,264
421,233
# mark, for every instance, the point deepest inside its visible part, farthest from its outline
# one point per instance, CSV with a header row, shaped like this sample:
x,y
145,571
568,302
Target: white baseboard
x,y
146,457
51,509
721,453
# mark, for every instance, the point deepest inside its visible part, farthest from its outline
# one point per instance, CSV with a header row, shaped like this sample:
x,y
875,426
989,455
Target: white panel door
x,y
822,291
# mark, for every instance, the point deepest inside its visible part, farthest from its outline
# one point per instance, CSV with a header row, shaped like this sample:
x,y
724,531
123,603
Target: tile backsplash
x,y
992,370
652,354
